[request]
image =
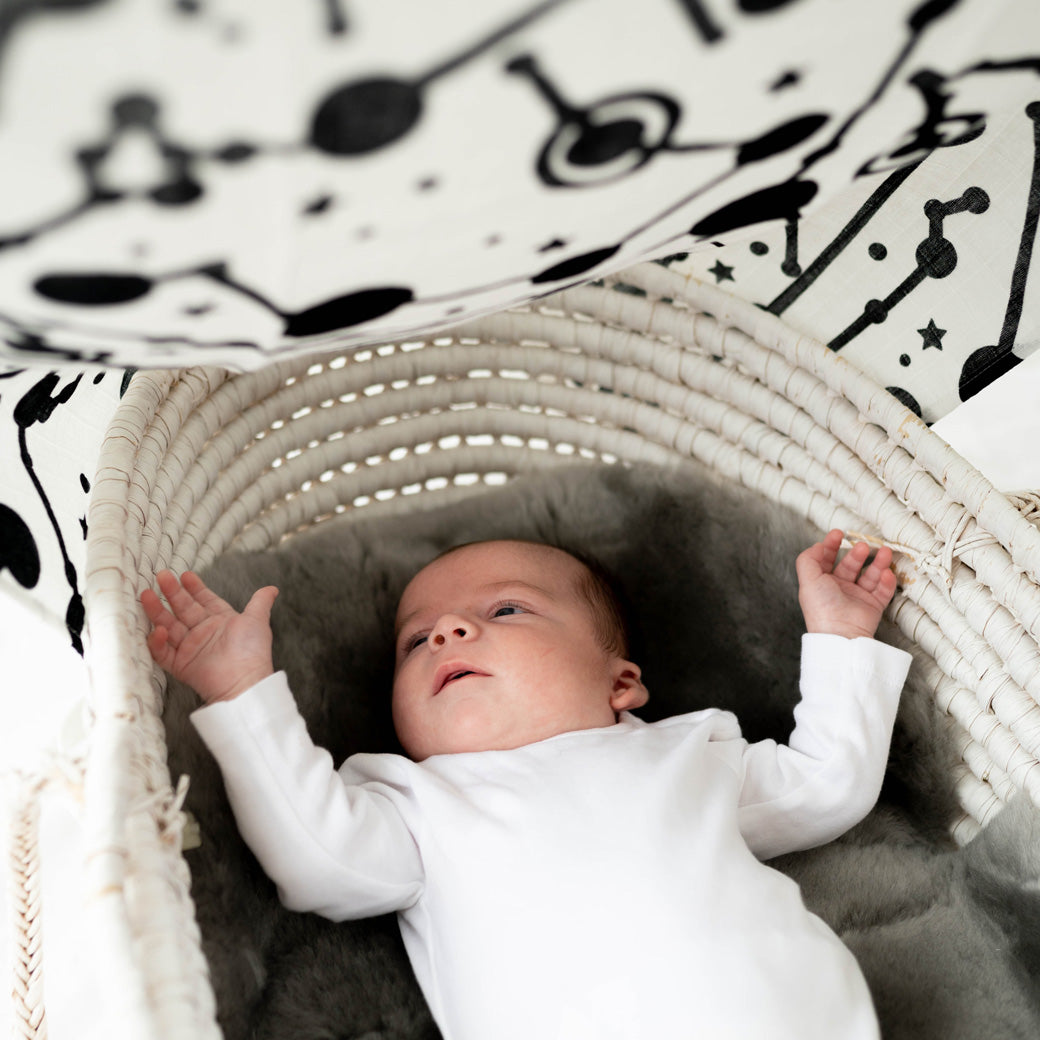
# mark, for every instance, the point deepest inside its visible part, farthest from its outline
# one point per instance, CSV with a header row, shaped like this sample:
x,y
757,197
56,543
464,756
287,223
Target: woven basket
x,y
644,369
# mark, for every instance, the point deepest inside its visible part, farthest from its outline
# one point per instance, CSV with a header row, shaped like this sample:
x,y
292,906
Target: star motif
x,y
721,272
788,79
931,335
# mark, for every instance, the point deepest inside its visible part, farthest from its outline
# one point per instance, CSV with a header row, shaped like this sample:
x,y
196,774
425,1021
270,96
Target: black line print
x,y
616,135
109,289
354,119
363,116
37,405
988,363
790,265
786,201
919,21
19,341
936,258
139,116
841,240
937,129
603,141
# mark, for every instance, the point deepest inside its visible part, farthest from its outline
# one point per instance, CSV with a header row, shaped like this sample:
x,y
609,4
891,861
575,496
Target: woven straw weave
x,y
646,369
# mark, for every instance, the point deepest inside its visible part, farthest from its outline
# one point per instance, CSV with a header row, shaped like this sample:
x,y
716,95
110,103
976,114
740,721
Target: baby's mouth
x,y
453,676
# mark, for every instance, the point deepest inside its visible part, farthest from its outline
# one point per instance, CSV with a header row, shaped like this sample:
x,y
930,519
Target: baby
x,y
560,868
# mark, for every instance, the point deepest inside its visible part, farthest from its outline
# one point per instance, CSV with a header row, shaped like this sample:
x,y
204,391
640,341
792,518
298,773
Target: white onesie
x,y
601,883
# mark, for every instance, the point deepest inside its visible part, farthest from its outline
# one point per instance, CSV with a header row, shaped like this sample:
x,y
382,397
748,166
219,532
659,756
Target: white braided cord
x,y
25,909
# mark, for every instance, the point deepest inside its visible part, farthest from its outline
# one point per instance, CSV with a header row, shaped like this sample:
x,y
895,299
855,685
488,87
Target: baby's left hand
x,y
842,597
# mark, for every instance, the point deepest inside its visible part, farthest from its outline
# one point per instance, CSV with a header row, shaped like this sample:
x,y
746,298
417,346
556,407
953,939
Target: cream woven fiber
x,y
661,369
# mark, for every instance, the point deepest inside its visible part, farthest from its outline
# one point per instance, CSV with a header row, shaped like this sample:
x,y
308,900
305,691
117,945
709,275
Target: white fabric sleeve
x,y
337,850
829,774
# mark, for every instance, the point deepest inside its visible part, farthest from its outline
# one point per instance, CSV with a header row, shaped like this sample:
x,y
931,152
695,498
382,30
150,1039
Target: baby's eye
x,y
413,643
506,609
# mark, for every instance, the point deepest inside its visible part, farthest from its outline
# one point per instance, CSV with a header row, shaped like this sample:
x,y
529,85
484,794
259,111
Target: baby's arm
x,y
204,641
829,774
335,842
842,597
332,846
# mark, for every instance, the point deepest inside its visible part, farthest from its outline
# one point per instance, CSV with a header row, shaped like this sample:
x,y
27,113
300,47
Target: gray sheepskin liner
x,y
948,938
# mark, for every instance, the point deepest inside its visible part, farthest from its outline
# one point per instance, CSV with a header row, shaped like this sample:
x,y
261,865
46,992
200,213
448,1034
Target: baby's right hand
x,y
203,641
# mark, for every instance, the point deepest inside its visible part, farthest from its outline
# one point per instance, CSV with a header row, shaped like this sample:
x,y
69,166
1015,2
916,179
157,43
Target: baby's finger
x,y
186,609
203,594
879,577
849,566
881,563
818,558
883,559
829,548
159,646
155,610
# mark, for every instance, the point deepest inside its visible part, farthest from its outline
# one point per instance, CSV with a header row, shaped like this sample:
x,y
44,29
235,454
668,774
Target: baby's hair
x,y
594,586
598,590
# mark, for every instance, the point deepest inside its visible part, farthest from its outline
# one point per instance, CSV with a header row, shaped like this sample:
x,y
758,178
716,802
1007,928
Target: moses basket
x,y
643,369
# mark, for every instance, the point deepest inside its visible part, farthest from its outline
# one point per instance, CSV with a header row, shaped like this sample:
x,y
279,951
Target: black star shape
x,y
931,335
721,272
788,79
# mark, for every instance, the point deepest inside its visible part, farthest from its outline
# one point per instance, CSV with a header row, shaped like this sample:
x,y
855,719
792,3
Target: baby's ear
x,y
629,691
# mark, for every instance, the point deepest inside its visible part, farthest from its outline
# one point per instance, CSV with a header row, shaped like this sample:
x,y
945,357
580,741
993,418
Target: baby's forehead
x,y
493,563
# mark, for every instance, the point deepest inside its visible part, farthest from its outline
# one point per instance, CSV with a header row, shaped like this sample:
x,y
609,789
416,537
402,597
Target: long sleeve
x,y
828,776
334,848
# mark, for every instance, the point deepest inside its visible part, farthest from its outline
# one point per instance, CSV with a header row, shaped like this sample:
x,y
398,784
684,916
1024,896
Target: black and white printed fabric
x,y
230,180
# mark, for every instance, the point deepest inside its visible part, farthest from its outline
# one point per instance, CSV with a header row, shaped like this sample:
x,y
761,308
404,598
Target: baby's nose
x,y
451,627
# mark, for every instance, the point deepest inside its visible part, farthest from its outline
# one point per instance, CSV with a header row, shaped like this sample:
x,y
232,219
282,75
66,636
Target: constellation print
x,y
787,200
619,134
365,115
929,134
919,21
606,140
837,245
936,258
988,363
37,406
936,130
341,312
574,137
354,119
135,118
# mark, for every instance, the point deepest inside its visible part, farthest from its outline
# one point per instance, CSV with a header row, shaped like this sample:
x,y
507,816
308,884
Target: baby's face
x,y
496,648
